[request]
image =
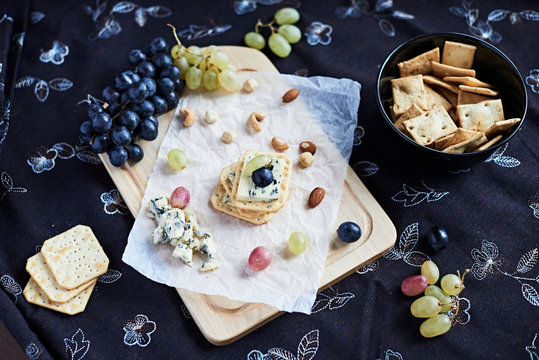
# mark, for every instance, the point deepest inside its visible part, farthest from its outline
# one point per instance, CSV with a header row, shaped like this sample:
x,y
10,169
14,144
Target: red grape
x,y
414,285
260,258
180,198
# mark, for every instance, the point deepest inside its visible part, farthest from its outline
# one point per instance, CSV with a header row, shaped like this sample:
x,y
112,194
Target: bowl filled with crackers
x,y
451,96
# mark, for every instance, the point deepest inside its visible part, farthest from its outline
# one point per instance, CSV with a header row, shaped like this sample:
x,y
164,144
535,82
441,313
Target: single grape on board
x,y
260,258
297,242
177,159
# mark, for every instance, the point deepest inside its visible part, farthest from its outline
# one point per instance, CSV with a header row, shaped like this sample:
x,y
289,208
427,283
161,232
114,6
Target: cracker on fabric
x,y
227,173
75,257
457,137
488,144
420,64
433,80
434,99
35,295
411,112
442,70
407,91
465,97
500,126
430,126
449,95
40,272
480,116
458,54
216,200
479,90
467,80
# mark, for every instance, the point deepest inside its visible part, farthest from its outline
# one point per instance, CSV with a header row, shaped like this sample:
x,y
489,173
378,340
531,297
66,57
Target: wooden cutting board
x,y
220,319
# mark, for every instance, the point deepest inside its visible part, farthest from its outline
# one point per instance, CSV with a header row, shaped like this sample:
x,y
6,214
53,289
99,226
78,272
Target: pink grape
x,y
260,258
414,285
180,198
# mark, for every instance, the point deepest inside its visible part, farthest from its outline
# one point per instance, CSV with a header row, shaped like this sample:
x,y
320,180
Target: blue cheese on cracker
x,y
248,191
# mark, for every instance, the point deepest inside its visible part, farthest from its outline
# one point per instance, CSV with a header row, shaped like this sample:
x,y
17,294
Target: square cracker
x,y
224,179
35,295
420,64
465,97
479,90
501,126
488,144
443,70
467,145
449,95
467,80
411,112
40,272
433,80
480,116
271,206
434,99
75,257
430,126
458,54
407,91
216,200
457,137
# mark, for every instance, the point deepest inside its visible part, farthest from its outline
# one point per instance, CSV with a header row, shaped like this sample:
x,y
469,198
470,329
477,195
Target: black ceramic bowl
x,y
491,66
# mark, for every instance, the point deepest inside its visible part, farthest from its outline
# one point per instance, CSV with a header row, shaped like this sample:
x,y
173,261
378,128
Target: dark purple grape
x,y
179,84
145,108
136,57
120,136
147,130
123,81
161,60
437,238
86,128
114,109
262,177
349,232
94,109
150,84
146,69
129,119
165,85
160,104
172,99
153,119
170,71
137,92
125,97
158,45
132,75
110,94
101,122
134,153
101,143
118,156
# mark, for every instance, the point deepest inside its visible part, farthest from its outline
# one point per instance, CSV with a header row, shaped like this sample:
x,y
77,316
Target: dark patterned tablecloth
x,y
53,54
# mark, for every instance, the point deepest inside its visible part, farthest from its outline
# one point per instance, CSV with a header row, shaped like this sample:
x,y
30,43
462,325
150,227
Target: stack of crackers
x,y
64,273
443,105
224,198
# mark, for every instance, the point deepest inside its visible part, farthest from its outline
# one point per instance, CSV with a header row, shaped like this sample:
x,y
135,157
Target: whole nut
x,y
211,116
278,144
188,117
316,197
254,119
307,146
250,85
229,136
306,159
290,95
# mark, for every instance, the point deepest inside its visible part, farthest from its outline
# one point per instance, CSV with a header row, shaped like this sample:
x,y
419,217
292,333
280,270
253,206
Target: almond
x,y
290,95
307,146
316,197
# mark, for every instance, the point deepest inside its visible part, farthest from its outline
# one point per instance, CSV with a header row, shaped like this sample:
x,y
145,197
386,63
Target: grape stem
x,y
269,25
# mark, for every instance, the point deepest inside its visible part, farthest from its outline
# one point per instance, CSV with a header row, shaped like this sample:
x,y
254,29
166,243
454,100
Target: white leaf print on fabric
x,y
391,355
185,311
25,82
533,80
56,54
18,40
7,184
407,242
10,286
532,350
36,16
533,203
159,11
42,87
32,351
359,132
242,7
65,151
307,348
197,31
318,33
460,311
89,157
42,90
124,7
365,168
332,301
110,276
141,16
411,197
42,159
373,266
114,203
76,346
503,161
485,262
60,84
386,27
4,120
138,331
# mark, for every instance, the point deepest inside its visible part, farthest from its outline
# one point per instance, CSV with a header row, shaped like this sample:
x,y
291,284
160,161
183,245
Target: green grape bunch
x,y
281,37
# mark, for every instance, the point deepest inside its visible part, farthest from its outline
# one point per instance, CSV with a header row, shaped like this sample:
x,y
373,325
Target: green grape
x,y
193,78
176,52
194,55
183,65
287,15
254,40
203,64
219,59
444,299
430,270
452,284
425,307
256,163
177,159
278,44
436,325
229,80
210,79
297,242
291,33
